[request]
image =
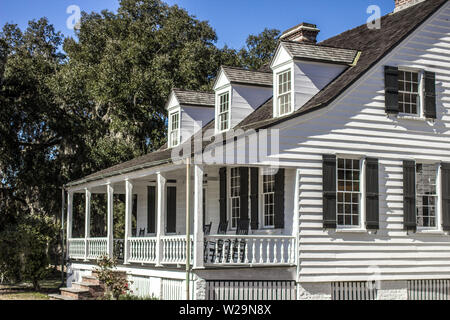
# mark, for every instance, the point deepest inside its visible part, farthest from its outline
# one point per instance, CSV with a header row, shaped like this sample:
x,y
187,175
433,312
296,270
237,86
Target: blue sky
x,y
233,20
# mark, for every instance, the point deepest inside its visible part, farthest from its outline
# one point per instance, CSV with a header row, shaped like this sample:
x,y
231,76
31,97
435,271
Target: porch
x,y
220,235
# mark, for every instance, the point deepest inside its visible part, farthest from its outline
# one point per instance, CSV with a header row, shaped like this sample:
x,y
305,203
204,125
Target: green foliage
x,y
24,250
66,115
260,49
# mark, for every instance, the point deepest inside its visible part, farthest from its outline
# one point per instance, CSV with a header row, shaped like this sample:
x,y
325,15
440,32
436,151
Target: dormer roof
x,y
319,53
247,77
194,98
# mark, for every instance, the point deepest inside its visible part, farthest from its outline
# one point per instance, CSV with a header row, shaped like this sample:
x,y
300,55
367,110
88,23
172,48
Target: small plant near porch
x,y
116,283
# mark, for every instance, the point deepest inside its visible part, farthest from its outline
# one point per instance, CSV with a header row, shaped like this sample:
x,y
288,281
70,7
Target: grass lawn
x,y
25,291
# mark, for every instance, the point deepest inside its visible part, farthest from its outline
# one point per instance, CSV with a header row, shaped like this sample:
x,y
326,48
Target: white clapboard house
x,y
324,175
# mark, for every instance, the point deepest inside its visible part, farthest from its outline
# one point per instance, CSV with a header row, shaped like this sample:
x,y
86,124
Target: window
x,y
284,93
269,200
426,195
349,193
235,194
174,129
408,94
223,116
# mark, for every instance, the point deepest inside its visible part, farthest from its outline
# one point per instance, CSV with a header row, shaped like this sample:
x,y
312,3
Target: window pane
x,y
408,83
284,92
348,196
426,194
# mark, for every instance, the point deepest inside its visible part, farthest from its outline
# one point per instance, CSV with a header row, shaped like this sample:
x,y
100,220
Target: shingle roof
x,y
195,98
307,51
244,76
374,45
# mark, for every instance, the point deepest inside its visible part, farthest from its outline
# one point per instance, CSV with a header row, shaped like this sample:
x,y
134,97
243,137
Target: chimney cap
x,y
303,32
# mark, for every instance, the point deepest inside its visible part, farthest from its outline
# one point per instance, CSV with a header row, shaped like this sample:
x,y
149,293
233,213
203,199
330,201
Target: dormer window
x,y
174,132
223,114
409,94
284,92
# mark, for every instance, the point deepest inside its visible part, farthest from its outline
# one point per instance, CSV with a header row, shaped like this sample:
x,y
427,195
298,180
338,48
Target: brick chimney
x,y
403,4
304,32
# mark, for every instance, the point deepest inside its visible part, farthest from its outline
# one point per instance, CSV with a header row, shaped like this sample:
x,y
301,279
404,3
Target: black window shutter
x,y
279,199
372,195
409,195
430,95
151,210
329,191
445,188
223,194
243,210
254,176
171,210
391,89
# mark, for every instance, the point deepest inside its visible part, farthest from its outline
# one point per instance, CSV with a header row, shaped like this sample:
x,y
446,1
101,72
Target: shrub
x,y
115,283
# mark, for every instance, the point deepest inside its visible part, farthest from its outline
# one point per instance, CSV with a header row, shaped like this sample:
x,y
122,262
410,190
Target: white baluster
x,y
216,250
275,258
232,250
223,252
282,250
246,251
261,251
268,251
253,251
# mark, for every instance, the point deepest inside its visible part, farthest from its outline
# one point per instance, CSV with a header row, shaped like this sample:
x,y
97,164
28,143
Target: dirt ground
x,y
25,291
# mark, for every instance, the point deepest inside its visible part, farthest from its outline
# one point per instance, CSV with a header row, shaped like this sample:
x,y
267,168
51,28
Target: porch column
x,y
87,223
128,222
110,220
69,220
161,221
198,262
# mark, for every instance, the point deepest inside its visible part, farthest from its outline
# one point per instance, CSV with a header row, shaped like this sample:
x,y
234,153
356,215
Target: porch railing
x,y
224,250
174,249
97,247
142,250
249,250
76,248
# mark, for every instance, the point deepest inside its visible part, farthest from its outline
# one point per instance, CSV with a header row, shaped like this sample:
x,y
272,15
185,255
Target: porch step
x,y
59,297
90,280
77,294
95,290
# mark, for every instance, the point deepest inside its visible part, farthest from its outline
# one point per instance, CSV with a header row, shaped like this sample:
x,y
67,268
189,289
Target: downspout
x,y
188,226
63,204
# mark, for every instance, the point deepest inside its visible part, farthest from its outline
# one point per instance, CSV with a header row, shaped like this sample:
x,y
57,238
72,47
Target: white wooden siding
x,y
245,100
193,119
357,124
309,78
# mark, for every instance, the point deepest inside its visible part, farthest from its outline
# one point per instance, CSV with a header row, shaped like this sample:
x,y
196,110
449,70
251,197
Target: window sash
x,y
348,208
224,107
284,92
426,195
409,92
174,128
235,194
268,196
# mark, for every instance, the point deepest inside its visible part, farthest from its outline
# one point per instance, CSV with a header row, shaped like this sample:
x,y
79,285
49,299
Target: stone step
x,y
59,297
78,294
96,290
90,279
